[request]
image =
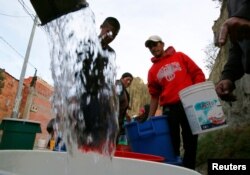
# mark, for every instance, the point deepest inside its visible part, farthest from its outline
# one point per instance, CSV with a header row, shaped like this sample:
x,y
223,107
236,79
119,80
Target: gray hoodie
x,y
239,52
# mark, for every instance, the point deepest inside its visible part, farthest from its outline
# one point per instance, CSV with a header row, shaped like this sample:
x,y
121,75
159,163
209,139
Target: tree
x,y
211,52
219,2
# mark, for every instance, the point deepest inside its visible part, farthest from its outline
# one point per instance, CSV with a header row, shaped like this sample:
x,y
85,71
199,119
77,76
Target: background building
x,y
35,103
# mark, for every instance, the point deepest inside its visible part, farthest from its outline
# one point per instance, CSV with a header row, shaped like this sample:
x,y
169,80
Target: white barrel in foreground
x,y
38,162
203,107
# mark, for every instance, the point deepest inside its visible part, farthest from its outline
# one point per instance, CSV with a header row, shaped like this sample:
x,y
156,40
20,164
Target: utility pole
x,y
28,104
20,84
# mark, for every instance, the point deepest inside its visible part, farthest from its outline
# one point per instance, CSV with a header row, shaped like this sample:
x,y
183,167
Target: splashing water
x,y
84,77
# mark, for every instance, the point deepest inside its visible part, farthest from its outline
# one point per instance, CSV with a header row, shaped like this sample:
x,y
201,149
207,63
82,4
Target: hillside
x,y
139,95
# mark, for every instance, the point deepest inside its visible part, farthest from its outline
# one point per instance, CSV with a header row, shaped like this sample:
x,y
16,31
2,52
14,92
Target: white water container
x,y
41,162
203,107
41,144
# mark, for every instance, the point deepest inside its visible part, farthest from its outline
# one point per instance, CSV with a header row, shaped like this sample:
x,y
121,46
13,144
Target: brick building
x,y
35,103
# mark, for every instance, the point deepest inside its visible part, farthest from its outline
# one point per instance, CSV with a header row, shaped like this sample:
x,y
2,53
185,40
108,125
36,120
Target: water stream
x,y
84,77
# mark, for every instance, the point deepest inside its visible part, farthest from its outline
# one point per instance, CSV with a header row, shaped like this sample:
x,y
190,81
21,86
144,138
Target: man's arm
x,y
153,106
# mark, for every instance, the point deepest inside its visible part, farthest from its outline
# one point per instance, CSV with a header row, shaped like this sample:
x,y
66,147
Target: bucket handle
x,y
146,133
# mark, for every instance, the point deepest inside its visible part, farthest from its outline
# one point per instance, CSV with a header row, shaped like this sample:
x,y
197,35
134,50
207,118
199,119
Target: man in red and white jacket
x,y
170,73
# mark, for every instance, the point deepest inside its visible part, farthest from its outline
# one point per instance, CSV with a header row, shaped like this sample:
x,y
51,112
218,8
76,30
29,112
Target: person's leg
x,y
174,129
189,143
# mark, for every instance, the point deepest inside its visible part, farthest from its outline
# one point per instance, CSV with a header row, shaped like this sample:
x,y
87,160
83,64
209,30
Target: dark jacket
x,y
239,52
124,99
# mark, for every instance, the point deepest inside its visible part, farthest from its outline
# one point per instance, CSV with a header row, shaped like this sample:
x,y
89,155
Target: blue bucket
x,y
151,137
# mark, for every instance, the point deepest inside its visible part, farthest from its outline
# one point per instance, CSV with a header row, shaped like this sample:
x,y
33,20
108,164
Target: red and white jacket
x,y
170,74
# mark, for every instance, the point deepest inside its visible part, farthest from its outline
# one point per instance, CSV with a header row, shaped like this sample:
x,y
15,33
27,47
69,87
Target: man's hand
x,y
224,89
236,28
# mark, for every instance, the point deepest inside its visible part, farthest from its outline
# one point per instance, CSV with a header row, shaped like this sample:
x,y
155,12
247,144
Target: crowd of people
x,y
172,71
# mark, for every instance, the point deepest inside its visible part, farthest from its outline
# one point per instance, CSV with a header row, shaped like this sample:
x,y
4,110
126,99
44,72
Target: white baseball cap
x,y
153,38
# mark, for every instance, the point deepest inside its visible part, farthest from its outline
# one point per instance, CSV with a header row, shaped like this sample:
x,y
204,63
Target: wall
x,y
8,95
41,109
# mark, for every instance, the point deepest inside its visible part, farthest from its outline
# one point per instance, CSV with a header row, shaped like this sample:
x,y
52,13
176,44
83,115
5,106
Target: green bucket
x,y
18,133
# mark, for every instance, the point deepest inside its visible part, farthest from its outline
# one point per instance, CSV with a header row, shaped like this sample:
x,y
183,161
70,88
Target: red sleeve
x,y
153,87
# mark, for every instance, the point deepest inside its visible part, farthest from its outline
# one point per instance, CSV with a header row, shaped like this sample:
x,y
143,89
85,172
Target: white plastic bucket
x,y
41,144
202,107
